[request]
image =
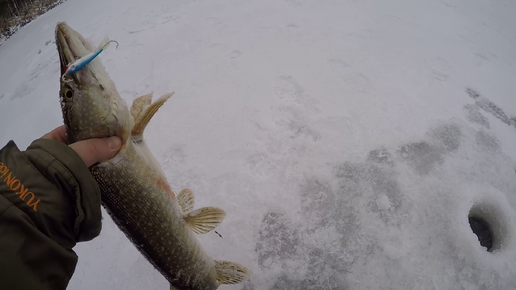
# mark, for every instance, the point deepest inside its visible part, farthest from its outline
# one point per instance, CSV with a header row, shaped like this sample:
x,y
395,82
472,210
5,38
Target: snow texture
x,y
348,141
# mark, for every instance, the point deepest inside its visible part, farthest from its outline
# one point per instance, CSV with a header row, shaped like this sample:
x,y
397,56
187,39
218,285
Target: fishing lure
x,y
85,60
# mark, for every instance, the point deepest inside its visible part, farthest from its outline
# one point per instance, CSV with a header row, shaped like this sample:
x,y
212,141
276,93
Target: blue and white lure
x,y
85,60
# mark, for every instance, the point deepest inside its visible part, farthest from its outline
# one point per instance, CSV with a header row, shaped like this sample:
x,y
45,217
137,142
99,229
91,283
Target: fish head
x,y
90,102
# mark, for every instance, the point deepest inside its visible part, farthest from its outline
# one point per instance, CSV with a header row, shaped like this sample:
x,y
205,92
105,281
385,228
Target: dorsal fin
x,y
186,200
230,272
205,219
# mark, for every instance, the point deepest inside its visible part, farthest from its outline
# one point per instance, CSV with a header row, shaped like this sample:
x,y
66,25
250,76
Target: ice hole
x,y
487,224
481,228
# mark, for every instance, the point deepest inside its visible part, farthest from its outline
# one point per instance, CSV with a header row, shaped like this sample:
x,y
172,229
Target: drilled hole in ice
x,y
483,231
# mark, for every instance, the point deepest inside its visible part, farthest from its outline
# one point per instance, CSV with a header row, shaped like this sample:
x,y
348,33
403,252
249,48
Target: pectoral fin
x,y
205,219
230,272
143,113
186,200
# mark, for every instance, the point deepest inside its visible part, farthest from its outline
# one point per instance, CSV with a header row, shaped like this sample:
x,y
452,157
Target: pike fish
x,y
135,192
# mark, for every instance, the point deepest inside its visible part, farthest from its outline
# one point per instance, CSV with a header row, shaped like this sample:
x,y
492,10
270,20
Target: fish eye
x,y
68,94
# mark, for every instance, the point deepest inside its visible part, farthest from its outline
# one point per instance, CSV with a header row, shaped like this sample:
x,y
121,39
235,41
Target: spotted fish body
x,y
157,229
134,190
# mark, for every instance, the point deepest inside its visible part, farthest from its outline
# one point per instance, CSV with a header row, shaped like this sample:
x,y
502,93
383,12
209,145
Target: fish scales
x,y
151,218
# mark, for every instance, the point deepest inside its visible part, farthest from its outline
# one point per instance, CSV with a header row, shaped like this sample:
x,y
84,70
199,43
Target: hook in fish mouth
x,y
63,46
75,53
70,45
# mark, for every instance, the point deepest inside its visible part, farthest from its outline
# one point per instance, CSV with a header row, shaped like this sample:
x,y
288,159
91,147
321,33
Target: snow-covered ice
x,y
348,141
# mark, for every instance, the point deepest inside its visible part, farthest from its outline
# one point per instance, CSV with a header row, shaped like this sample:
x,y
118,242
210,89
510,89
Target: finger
x,y
97,150
58,134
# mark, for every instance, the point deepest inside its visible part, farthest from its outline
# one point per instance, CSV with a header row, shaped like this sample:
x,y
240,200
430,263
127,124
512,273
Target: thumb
x,y
96,150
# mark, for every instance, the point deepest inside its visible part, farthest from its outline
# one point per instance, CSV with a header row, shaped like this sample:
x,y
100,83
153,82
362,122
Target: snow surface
x,y
347,140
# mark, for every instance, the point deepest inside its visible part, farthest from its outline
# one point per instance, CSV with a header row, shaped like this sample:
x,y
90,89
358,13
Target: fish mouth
x,y
70,45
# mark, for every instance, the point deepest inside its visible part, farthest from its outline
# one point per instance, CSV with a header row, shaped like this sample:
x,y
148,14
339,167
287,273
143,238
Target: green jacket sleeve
x,y
48,202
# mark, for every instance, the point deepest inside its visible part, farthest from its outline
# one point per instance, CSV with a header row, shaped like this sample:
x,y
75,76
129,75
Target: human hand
x,y
91,150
